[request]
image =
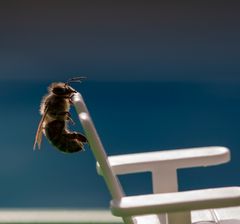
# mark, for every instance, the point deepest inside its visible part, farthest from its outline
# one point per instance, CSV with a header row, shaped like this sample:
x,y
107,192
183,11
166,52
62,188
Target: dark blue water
x,y
130,117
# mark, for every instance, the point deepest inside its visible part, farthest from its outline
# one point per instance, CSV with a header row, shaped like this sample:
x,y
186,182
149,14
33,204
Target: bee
x,y
54,108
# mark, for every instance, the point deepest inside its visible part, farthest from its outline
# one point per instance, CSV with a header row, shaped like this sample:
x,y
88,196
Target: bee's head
x,y
61,89
64,89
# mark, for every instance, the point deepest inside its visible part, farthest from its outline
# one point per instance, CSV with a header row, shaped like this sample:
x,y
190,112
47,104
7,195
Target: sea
x,y
130,117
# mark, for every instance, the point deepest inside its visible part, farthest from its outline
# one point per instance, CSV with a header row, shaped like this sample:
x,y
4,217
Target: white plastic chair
x,y
166,205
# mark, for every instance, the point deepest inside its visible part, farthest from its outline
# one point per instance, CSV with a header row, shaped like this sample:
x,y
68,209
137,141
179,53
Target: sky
x,y
120,40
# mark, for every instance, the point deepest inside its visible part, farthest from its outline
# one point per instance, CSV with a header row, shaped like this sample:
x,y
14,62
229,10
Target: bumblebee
x,y
54,108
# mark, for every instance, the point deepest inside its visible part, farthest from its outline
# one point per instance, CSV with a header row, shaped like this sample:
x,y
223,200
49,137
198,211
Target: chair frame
x,y
171,206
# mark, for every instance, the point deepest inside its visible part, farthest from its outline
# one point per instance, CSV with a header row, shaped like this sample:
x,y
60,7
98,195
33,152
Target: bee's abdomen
x,y
62,139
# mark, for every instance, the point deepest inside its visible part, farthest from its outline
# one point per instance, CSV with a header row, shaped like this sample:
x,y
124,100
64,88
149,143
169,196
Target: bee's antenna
x,y
75,79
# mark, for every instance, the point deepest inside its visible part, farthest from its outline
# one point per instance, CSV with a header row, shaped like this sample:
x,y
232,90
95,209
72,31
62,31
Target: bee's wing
x,y
38,137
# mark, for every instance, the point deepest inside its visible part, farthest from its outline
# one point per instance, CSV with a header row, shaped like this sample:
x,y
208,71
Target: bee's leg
x,y
81,138
69,118
70,101
63,115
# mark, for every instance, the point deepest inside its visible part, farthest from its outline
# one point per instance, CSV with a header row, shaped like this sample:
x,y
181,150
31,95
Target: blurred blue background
x,y
160,76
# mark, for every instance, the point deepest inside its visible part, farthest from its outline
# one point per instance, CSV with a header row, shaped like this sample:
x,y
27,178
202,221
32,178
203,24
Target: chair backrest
x,y
97,147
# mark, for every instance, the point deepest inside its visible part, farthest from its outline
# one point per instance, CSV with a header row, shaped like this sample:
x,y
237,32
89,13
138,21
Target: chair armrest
x,y
176,202
181,158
